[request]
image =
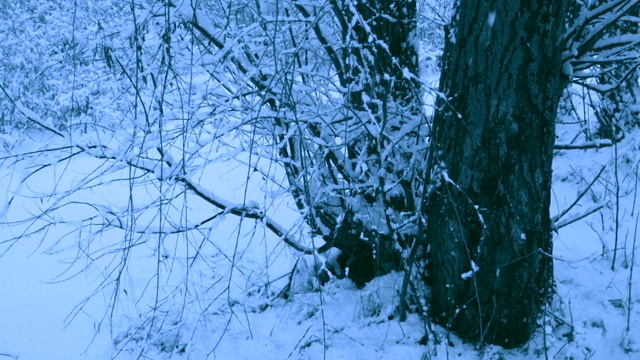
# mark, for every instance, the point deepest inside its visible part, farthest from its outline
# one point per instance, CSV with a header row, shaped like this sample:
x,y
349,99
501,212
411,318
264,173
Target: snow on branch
x,y
250,211
617,44
29,114
205,28
596,144
579,42
323,37
588,16
604,88
560,224
586,43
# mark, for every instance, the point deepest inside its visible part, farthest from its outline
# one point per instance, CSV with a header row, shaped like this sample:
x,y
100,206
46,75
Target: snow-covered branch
x,y
588,42
591,26
323,37
596,144
29,114
249,211
560,224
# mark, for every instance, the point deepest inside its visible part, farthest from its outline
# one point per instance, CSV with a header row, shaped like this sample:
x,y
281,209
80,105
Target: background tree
x,y
352,166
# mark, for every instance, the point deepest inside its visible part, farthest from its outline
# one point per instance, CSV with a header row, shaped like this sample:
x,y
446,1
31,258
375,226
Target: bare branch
x,y
556,218
571,220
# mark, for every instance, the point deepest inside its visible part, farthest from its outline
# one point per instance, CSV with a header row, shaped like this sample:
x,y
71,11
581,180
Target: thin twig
x,y
617,212
629,285
556,218
571,220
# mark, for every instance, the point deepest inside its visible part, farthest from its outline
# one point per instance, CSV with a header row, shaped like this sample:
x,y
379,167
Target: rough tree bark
x,y
488,224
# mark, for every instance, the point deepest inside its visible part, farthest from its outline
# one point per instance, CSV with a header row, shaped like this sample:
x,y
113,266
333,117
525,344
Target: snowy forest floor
x,y
595,313
74,291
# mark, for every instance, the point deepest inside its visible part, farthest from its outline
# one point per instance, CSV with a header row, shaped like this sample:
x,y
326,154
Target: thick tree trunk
x,y
488,225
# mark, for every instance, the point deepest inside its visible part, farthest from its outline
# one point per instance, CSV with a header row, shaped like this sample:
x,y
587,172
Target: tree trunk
x,y
382,57
379,65
489,225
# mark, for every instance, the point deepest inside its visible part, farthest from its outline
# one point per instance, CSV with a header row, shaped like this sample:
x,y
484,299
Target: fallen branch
x,y
596,144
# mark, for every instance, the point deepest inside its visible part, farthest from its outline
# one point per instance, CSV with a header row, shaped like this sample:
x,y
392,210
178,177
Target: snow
x,y
491,18
567,69
586,318
468,274
128,293
35,310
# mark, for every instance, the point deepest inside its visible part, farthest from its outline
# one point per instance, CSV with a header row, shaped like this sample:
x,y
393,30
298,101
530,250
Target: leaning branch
x,y
243,210
250,212
556,218
571,220
29,114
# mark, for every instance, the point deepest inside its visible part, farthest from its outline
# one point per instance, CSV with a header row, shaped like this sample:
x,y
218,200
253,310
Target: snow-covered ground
x,y
43,280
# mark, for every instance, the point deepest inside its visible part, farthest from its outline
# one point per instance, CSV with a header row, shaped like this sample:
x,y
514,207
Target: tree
x,y
504,69
357,157
488,218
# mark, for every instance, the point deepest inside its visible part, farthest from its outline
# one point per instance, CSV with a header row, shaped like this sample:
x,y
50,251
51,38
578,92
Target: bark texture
x,y
489,222
384,52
